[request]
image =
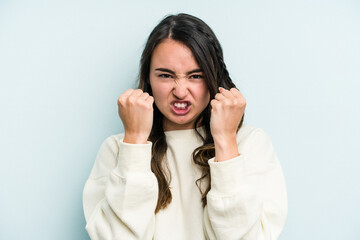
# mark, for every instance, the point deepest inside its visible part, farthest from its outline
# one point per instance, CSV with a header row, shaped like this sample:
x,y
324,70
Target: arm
x,y
120,196
248,197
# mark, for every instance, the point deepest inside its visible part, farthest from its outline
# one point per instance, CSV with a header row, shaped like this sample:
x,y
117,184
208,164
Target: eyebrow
x,y
172,72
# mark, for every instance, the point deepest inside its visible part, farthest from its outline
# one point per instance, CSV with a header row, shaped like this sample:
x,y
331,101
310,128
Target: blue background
x,y
63,65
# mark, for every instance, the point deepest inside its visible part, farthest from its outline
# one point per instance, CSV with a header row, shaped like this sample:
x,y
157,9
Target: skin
x,y
174,83
227,110
135,109
176,76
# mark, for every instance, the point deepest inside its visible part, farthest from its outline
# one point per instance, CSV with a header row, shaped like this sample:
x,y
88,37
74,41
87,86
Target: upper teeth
x,y
180,105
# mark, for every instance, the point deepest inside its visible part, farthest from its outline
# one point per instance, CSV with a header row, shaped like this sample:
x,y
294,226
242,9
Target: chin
x,y
180,122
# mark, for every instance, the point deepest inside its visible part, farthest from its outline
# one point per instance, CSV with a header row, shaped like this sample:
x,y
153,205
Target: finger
x,y
150,99
214,103
127,93
236,92
219,97
226,93
124,96
137,92
144,95
239,96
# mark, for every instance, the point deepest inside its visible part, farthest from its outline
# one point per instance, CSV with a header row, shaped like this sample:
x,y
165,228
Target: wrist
x,y
222,140
135,138
225,149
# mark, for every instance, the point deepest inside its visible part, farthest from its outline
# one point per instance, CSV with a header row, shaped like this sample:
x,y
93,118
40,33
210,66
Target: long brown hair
x,y
201,40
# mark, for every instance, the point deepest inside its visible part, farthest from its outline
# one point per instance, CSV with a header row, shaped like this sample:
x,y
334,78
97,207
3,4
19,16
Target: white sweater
x,y
247,200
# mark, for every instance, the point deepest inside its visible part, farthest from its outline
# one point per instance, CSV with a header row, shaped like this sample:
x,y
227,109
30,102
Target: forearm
x,y
234,207
121,203
123,213
225,148
247,199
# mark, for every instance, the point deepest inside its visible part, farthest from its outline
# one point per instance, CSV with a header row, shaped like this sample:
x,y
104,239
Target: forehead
x,y
173,55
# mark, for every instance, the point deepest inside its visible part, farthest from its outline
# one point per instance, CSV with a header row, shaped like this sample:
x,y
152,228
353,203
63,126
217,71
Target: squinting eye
x,y
196,76
165,76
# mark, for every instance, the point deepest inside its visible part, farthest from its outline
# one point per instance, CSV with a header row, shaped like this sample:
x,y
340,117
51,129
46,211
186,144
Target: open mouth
x,y
180,107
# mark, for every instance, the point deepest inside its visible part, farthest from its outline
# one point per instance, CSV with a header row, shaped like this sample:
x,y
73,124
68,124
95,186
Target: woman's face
x,y
178,85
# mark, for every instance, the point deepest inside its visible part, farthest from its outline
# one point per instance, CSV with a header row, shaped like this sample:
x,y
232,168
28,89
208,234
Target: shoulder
x,y
249,136
257,148
247,131
106,158
111,143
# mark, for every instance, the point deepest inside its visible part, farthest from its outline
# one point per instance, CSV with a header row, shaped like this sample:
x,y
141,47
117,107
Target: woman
x,y
186,167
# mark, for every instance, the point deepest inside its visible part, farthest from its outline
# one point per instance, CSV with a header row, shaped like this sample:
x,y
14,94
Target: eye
x,y
165,76
196,76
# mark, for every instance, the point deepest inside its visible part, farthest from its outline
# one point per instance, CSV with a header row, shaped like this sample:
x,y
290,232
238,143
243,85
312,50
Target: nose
x,y
180,90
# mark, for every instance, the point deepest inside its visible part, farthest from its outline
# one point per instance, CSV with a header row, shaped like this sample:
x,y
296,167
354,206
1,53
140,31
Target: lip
x,y
178,111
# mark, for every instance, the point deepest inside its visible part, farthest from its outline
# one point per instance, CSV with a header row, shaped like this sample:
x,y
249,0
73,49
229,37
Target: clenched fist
x,y
227,110
135,109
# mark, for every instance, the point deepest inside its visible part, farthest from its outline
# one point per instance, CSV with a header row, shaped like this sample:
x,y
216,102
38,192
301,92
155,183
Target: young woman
x,y
186,167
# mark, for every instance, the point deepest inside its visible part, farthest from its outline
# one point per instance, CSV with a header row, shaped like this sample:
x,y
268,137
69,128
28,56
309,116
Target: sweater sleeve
x,y
120,196
248,199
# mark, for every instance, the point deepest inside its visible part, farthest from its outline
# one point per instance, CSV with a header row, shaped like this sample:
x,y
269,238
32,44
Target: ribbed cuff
x,y
134,158
226,176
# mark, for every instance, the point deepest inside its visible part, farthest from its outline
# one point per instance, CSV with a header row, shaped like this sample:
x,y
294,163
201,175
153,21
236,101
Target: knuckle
x,y
120,100
139,102
131,100
228,103
214,105
151,99
149,106
243,102
233,90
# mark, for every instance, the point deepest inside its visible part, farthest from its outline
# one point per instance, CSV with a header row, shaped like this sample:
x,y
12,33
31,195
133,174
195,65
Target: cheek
x,y
204,94
160,93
